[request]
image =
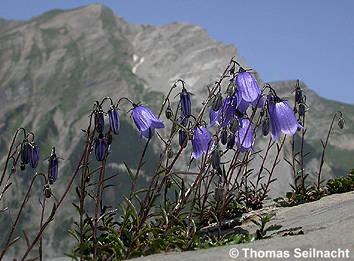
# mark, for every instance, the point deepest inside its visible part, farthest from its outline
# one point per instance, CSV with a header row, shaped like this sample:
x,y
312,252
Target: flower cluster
x,y
230,115
29,154
144,119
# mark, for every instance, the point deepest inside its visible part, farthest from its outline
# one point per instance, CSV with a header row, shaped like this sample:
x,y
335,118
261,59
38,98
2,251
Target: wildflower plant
x,y
171,211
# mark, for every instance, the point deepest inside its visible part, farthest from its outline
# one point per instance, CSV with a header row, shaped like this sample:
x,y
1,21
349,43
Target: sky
x,y
310,40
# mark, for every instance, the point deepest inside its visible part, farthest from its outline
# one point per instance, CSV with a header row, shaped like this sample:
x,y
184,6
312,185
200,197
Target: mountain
x,y
54,66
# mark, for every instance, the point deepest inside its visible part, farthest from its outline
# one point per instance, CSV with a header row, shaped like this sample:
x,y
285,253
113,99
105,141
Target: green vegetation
x,y
341,184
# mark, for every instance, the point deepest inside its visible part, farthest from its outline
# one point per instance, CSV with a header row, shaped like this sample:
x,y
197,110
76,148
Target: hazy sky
x,y
310,40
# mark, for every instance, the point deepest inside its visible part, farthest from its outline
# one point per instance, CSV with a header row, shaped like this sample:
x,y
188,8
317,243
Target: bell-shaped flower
x,y
244,136
146,121
114,121
259,102
183,120
217,102
99,121
223,136
185,101
230,141
101,148
228,111
215,158
282,117
243,106
201,142
53,167
25,152
182,138
247,85
215,117
265,127
34,156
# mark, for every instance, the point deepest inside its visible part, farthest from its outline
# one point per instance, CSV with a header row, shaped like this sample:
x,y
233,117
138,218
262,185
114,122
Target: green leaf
x,y
273,227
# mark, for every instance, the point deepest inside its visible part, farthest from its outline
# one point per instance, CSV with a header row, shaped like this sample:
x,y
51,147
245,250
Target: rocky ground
x,y
324,225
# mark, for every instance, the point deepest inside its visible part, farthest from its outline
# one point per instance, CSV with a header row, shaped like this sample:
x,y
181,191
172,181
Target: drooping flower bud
x,y
99,121
232,69
341,122
302,109
184,121
223,137
47,191
265,127
114,121
22,166
230,141
183,138
101,147
299,96
185,101
25,152
53,167
230,89
234,125
170,153
168,112
215,159
217,102
34,156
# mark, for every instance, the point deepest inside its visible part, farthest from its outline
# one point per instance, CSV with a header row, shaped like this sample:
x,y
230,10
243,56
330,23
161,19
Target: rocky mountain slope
x,y
54,66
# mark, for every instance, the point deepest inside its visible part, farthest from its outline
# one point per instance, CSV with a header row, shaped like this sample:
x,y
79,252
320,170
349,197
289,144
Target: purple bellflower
x,y
224,114
282,117
215,116
230,141
53,167
228,111
217,102
99,121
114,122
223,137
201,142
182,138
101,147
25,152
146,121
244,136
247,85
259,102
34,156
185,101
